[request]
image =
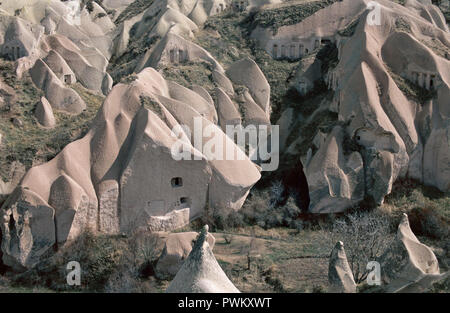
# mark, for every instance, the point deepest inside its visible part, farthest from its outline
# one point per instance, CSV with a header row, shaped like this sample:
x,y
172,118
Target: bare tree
x,y
365,235
228,238
250,248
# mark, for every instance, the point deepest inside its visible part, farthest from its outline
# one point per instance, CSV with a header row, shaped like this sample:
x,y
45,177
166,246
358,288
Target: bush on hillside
x,y
427,221
259,209
108,263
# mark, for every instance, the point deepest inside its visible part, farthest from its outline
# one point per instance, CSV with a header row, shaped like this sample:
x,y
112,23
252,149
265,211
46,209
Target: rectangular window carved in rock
x,y
177,182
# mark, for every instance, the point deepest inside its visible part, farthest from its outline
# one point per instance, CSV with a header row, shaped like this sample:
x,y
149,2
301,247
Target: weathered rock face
x,y
436,144
173,21
21,38
175,252
201,105
340,275
223,82
335,180
61,97
385,133
90,72
74,50
123,175
98,182
174,49
28,229
200,272
107,84
409,265
44,113
246,72
16,172
307,75
227,111
60,67
8,95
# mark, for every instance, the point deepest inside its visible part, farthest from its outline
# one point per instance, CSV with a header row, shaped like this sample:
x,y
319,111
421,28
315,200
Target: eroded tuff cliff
x,y
360,104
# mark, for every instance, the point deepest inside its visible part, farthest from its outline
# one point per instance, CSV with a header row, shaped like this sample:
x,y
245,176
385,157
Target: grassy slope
x,y
32,144
133,9
289,14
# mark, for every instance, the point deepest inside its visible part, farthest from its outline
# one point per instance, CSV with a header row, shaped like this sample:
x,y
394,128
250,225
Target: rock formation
x,y
200,272
409,265
62,98
44,113
16,172
384,133
246,72
175,252
378,111
335,181
340,275
59,45
122,175
175,49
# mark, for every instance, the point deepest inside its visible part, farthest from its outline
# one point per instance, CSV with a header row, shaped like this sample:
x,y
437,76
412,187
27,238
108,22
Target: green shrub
x,y
108,263
257,210
427,221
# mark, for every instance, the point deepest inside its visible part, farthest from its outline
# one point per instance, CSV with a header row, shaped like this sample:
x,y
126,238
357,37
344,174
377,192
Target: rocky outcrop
x,y
204,94
60,97
16,172
88,75
82,48
435,146
7,95
44,113
246,72
107,84
181,17
31,228
340,275
200,272
251,112
408,265
175,252
174,49
169,19
227,111
21,37
387,133
60,67
79,189
223,82
308,73
196,101
335,180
